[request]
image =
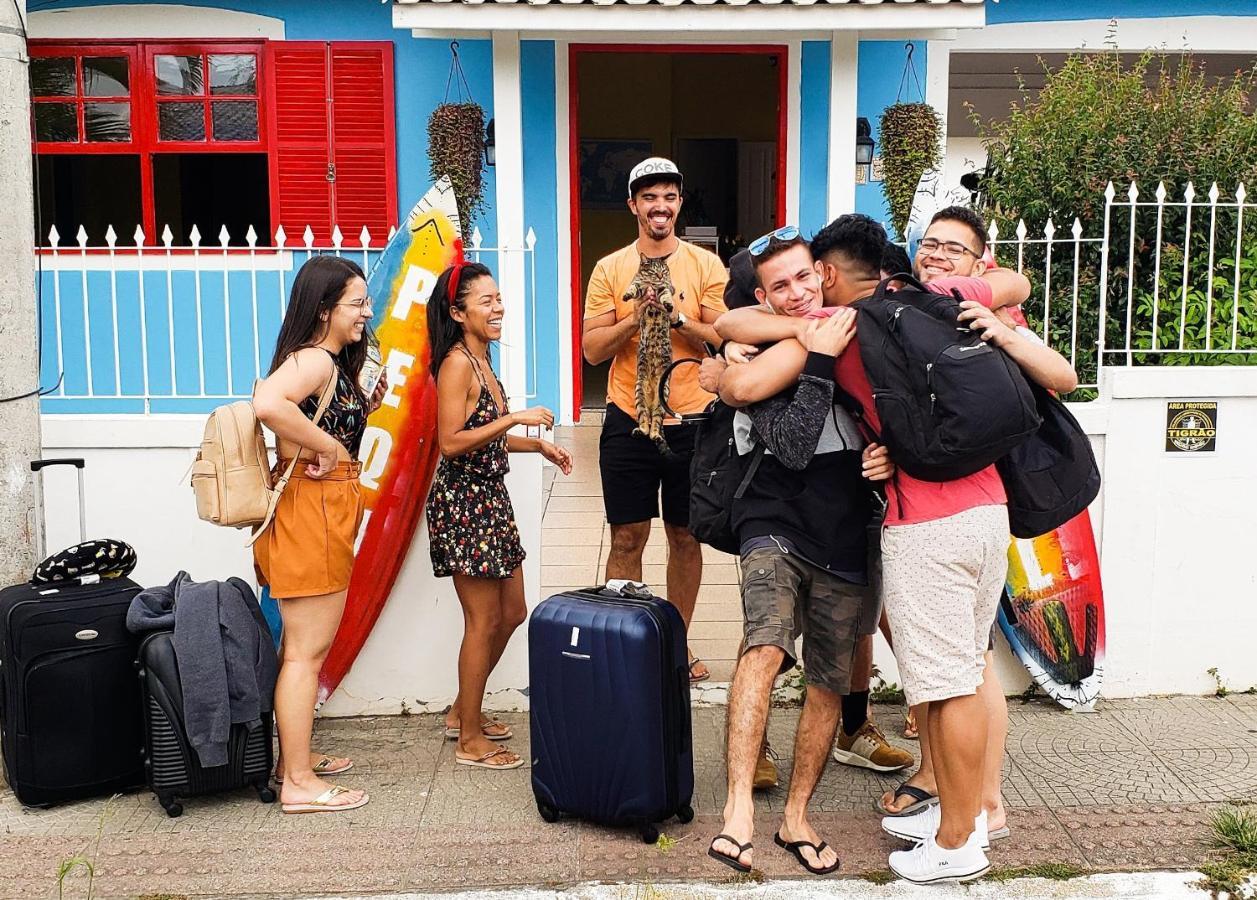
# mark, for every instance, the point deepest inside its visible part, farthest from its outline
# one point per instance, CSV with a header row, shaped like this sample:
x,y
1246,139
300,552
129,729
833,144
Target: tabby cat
x,y
654,348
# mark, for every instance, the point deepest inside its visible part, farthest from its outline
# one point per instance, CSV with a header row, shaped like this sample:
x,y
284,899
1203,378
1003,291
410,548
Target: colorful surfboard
x,y
399,451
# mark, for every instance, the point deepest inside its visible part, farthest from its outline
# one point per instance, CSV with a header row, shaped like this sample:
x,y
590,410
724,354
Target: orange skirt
x,y
308,549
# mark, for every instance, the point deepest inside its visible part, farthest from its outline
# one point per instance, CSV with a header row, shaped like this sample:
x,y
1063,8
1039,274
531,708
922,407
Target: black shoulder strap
x,y
756,456
663,385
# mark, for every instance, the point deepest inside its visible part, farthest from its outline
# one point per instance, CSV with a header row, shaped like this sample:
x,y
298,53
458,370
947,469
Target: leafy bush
x,y
1100,119
910,135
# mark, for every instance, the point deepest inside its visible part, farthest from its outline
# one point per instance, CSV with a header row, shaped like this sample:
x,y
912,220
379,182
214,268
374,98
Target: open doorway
x,y
719,112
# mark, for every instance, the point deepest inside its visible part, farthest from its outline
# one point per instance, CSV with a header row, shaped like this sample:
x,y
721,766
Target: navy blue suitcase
x,y
609,691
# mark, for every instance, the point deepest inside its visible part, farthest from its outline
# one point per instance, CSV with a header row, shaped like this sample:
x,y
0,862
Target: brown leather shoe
x,y
765,769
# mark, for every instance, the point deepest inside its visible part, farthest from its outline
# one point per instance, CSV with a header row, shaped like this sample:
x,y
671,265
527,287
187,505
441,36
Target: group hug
x,y
836,539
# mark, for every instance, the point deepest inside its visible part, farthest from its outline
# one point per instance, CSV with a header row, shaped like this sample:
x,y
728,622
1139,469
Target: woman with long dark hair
x,y
306,555
471,525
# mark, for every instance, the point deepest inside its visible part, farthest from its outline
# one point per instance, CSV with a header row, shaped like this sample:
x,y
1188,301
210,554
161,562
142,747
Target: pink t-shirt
x,y
910,500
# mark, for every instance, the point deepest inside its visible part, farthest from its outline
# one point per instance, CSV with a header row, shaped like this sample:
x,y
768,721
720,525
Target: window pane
x,y
235,120
107,121
106,76
233,73
181,121
56,122
179,75
92,190
52,76
212,190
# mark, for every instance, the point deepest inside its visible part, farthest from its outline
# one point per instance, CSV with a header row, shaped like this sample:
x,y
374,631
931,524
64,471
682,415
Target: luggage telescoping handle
x,y
38,465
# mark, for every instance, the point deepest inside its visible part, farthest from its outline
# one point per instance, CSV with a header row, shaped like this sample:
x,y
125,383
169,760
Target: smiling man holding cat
x,y
634,472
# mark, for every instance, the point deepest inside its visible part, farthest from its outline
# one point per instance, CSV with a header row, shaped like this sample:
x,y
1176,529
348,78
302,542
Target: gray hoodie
x,y
227,662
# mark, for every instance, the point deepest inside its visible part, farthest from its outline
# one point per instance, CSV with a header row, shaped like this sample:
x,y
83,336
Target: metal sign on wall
x,y
1191,426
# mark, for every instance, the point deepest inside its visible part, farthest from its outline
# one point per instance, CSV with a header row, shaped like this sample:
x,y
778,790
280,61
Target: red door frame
x,y
780,51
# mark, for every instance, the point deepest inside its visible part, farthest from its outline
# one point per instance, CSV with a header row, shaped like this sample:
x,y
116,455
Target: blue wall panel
x,y
1055,10
814,137
881,70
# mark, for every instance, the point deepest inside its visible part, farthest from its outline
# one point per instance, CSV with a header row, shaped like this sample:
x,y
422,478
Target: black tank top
x,y
345,418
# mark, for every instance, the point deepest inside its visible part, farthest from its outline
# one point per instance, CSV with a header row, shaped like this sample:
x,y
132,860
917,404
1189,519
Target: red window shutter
x,y
363,143
301,140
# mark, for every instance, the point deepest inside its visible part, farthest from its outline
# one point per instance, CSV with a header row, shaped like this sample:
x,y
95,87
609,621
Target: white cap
x,y
655,165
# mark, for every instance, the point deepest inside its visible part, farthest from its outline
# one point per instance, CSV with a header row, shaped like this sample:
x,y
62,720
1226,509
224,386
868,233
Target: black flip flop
x,y
730,861
795,849
922,797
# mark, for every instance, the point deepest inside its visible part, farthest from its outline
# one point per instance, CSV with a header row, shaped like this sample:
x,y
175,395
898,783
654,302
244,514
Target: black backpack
x,y
949,403
1052,476
718,475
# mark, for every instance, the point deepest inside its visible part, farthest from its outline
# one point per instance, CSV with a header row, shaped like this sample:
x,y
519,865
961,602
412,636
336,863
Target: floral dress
x,y
471,525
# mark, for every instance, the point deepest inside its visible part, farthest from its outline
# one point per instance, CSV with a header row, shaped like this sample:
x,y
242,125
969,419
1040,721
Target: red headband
x,y
456,270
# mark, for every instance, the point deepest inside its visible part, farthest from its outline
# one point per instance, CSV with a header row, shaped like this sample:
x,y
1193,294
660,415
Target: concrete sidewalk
x,y
1128,788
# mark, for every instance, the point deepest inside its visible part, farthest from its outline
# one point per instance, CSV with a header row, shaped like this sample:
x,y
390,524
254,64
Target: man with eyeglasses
x,y
944,544
801,525
634,473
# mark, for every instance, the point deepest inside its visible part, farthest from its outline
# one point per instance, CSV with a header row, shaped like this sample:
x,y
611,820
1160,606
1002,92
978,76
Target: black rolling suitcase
x,y
171,763
609,693
70,724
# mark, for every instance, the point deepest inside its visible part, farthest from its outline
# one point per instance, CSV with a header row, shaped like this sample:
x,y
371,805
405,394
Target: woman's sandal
x,y
921,799
322,768
323,803
795,849
733,862
452,734
483,762
910,730
695,679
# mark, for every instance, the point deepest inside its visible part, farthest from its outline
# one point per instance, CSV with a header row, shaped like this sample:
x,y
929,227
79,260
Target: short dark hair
x,y
965,216
740,288
649,181
895,260
776,247
858,239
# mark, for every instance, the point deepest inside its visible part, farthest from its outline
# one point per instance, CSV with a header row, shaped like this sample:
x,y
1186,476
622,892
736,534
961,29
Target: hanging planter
x,y
456,144
911,145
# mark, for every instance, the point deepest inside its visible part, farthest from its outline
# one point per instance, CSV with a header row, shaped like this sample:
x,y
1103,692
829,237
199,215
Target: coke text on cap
x,y
655,165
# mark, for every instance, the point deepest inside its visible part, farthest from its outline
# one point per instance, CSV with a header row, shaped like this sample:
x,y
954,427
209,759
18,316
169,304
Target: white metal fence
x,y
1156,281
166,328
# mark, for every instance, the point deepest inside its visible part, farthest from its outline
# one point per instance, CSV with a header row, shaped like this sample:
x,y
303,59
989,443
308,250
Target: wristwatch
x,y
681,320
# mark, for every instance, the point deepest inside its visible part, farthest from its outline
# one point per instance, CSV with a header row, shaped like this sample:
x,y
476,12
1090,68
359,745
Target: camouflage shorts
x,y
784,596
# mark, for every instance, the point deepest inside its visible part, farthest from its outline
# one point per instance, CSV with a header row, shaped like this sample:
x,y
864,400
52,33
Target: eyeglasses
x,y
950,249
360,303
760,244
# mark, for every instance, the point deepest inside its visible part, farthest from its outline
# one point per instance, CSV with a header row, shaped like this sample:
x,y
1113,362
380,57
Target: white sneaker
x,y
924,824
927,862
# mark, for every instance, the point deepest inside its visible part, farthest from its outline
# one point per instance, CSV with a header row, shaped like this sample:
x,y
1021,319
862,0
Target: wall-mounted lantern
x,y
490,146
864,146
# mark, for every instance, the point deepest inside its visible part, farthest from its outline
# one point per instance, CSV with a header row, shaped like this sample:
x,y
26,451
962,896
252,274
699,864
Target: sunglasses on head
x,y
760,244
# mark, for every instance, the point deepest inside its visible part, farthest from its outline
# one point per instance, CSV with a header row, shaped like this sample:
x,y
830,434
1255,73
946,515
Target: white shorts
x,y
941,585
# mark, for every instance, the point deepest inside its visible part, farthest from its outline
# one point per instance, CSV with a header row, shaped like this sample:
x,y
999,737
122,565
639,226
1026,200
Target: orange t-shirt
x,y
698,278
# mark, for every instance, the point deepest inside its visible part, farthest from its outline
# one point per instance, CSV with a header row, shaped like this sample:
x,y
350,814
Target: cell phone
x,y
372,369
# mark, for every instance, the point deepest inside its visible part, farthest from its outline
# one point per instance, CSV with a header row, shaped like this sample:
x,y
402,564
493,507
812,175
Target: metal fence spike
x,y
1214,193
1133,193
1049,229
1189,193
337,237
1240,193
1160,192
280,236
194,236
111,236
138,237
54,236
476,238
167,236
1110,192
1022,230
224,237
1077,229
530,239
364,237
992,232
81,236
251,236
308,237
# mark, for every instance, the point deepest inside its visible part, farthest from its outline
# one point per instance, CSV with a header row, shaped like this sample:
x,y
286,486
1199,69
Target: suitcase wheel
x,y
649,833
685,814
548,812
173,808
265,794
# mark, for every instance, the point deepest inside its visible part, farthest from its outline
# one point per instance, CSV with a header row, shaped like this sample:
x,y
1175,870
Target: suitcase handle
x,y
38,465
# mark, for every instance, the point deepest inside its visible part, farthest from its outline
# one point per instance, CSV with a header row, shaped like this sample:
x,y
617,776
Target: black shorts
x,y
635,473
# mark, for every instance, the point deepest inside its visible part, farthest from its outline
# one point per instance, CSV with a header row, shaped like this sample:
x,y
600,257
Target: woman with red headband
x,y
471,526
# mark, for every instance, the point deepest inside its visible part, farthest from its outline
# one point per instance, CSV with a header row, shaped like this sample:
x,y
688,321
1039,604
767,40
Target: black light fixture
x,y
490,146
864,144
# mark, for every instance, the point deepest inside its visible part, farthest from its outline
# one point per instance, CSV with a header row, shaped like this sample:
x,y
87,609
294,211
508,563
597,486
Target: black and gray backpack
x,y
949,403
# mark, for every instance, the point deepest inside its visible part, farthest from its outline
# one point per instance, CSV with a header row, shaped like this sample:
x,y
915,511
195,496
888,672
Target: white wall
x,y
1174,531
137,490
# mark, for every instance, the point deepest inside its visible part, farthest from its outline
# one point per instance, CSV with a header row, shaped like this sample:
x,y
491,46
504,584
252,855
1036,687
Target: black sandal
x,y
922,798
731,861
795,849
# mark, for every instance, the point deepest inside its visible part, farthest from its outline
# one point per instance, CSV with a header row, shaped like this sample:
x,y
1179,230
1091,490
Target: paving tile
x,y
1180,722
1215,773
575,503
570,556
552,536
500,853
1125,837
569,486
588,573
1136,776
1043,728
589,520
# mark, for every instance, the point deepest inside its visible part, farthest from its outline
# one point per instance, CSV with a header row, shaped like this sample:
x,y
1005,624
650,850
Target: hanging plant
x,y
456,144
911,145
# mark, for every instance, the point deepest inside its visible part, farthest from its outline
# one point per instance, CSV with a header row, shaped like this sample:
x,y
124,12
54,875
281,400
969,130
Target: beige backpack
x,y
231,476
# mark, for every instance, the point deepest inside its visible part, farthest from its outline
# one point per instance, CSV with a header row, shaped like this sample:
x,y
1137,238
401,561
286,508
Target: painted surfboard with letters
x,y
399,450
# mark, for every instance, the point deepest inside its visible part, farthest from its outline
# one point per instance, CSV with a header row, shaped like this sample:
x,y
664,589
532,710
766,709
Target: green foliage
x,y
1235,835
1099,119
1051,871
1221,690
456,149
911,141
